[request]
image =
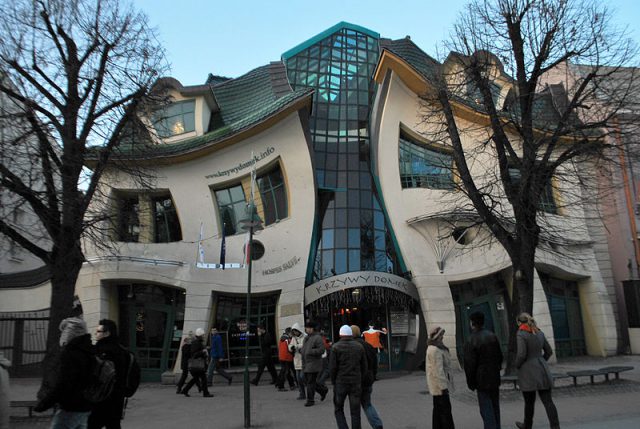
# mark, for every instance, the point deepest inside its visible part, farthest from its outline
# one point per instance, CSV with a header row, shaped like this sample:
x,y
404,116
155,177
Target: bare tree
x,y
74,72
528,135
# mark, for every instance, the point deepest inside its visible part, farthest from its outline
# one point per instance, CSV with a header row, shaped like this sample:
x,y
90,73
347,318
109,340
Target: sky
x,y
230,38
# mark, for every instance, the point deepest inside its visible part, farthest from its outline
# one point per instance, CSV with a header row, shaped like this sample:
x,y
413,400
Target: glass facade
x,y
352,233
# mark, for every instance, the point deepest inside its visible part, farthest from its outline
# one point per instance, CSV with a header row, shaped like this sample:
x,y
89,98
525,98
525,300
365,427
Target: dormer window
x,y
175,119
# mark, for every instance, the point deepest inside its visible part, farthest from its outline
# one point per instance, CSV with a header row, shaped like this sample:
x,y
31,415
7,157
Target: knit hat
x,y
71,328
345,331
436,333
199,332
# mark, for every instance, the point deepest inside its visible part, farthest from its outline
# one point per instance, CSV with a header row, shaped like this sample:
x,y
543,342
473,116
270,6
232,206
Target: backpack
x,y
101,380
132,380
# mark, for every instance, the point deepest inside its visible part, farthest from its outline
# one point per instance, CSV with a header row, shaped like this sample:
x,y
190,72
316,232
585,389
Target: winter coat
x,y
265,341
284,355
312,351
531,361
482,360
295,346
109,348
198,349
4,392
186,354
74,374
438,370
348,362
372,362
217,352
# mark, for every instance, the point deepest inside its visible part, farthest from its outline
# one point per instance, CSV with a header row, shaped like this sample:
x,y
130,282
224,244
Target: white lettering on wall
x,y
242,165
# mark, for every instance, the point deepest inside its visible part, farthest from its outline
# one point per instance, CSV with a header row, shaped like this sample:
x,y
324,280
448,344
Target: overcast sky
x,y
229,38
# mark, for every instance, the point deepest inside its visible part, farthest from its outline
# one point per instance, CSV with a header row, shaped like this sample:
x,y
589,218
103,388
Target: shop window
x,y
175,119
274,196
547,199
422,166
129,219
166,223
232,207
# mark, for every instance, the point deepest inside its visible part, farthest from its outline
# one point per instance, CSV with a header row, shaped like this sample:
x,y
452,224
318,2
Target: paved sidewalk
x,y
401,400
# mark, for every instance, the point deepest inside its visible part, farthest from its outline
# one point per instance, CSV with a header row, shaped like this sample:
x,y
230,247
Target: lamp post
x,y
251,223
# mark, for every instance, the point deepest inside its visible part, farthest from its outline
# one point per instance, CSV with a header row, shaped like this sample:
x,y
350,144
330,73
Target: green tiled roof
x,y
244,102
413,55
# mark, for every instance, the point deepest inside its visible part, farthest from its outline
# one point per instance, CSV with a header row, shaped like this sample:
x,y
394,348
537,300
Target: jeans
x,y
324,374
70,419
340,393
310,379
301,384
530,403
489,402
442,418
286,368
372,415
213,366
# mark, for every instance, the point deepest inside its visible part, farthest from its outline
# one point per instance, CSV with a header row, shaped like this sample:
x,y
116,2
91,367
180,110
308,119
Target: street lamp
x,y
251,223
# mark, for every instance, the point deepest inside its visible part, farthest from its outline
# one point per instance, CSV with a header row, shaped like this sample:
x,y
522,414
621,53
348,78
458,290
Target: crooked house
x,y
356,224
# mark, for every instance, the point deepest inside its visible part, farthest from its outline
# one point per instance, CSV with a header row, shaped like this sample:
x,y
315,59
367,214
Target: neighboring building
x,y
617,240
25,297
355,206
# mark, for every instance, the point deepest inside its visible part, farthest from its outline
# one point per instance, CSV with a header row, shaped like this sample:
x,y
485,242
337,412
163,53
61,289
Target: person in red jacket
x,y
286,362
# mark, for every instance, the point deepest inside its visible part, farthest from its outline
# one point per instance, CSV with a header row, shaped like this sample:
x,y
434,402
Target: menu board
x,y
399,322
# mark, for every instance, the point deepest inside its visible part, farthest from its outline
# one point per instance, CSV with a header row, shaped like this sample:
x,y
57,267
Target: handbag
x,y
196,365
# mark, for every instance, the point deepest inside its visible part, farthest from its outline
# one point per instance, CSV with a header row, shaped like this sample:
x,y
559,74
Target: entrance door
x,y
486,305
151,336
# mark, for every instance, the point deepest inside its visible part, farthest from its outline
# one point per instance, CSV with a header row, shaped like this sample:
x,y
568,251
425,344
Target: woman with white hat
x,y
439,379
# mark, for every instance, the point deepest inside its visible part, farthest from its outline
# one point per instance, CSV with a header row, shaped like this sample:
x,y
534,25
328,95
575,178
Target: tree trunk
x,y
65,267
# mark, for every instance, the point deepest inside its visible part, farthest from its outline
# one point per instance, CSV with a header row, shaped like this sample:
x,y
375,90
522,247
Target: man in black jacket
x,y
266,341
367,383
348,367
73,374
198,351
109,412
482,365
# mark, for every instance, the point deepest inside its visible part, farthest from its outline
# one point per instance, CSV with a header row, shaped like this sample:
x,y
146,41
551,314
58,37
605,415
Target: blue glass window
x,y
231,207
424,167
547,199
274,196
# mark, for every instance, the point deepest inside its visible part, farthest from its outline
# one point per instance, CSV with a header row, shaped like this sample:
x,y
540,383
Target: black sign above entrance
x,y
358,279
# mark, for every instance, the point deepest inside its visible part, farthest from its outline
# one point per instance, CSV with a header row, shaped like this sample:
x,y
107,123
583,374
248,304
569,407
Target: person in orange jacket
x,y
286,362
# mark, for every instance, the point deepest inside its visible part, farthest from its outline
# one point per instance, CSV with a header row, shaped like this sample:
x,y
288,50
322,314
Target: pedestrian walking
x,y
184,363
295,346
197,364
108,413
216,355
73,375
286,361
482,365
5,364
367,382
533,372
312,350
324,374
265,340
348,368
439,379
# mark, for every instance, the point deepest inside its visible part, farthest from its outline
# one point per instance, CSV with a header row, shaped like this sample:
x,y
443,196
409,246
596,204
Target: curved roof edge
x,y
312,41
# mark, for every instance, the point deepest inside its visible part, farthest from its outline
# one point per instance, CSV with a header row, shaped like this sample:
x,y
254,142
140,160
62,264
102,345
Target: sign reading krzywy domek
x,y
358,279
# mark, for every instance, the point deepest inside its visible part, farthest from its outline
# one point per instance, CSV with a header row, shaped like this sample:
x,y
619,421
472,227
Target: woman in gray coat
x,y
533,372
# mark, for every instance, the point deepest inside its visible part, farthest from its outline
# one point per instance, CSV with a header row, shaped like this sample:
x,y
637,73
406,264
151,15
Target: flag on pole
x,y
223,248
200,246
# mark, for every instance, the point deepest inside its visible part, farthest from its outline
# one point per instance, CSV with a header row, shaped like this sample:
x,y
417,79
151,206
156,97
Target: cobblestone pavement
x,y
401,400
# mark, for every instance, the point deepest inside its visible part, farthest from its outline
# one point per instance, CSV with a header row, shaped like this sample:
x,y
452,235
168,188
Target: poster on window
x,y
399,322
